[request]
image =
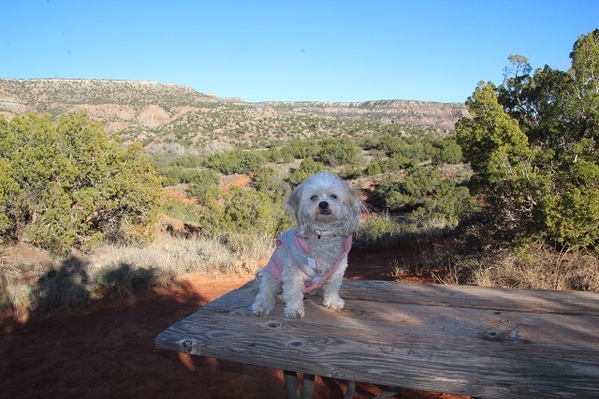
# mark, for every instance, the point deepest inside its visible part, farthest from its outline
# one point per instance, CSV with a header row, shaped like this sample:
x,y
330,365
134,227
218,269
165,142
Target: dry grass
x,y
113,271
538,268
535,266
175,256
14,295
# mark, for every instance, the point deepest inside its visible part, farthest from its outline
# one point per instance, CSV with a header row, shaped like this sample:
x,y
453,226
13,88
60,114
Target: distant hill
x,y
430,115
176,118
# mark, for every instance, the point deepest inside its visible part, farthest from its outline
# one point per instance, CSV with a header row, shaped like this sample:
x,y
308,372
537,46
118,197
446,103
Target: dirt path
x,y
108,351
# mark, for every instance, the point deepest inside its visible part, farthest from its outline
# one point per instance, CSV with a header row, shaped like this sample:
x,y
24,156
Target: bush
x,y
302,149
337,152
445,208
448,151
67,185
307,168
12,204
532,144
253,212
265,180
204,185
235,162
373,169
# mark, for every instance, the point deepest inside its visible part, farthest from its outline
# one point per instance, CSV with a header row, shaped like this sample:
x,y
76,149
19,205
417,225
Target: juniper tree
x,y
68,185
532,143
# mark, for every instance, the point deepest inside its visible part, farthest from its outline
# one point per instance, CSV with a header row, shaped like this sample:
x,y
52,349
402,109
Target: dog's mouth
x,y
326,211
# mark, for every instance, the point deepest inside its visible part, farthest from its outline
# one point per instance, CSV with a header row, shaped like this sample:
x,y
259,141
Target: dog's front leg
x,y
330,289
293,285
265,299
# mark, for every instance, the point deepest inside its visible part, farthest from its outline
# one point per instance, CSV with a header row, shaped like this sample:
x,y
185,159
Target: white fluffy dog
x,y
312,255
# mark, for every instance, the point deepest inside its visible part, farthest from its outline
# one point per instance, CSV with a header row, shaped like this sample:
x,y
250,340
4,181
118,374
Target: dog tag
x,y
312,263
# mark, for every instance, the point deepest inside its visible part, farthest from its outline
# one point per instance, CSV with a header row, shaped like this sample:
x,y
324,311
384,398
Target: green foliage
x,y
448,151
204,185
410,192
395,163
573,216
301,149
253,212
134,191
337,152
373,169
445,208
266,180
188,162
426,199
69,186
402,152
229,163
421,192
532,143
278,155
174,175
381,230
307,168
12,203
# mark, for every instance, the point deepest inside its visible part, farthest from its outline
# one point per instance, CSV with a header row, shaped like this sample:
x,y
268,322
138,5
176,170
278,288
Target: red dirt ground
x,y
108,350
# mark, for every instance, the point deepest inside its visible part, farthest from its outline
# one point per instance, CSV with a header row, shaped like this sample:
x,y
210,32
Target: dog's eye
x,y
314,197
334,196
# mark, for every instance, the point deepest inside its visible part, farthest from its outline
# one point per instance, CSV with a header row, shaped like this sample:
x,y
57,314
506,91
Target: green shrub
x,y
302,149
307,168
235,162
532,144
373,169
13,208
67,185
204,185
337,152
253,212
448,151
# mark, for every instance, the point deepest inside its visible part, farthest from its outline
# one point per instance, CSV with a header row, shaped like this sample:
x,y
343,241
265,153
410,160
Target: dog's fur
x,y
327,210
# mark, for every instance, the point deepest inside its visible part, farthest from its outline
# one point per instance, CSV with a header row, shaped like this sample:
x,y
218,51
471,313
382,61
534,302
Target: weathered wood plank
x,y
422,341
566,331
542,301
411,361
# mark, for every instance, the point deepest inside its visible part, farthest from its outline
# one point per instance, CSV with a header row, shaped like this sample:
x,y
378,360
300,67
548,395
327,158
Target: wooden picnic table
x,y
479,341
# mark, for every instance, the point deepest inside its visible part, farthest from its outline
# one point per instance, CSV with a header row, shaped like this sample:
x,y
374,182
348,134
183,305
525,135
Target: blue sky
x,y
292,50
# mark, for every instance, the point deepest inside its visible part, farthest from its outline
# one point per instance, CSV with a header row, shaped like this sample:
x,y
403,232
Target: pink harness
x,y
298,250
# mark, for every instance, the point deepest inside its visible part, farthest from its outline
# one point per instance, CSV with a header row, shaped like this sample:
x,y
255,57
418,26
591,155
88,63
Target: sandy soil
x,y
108,350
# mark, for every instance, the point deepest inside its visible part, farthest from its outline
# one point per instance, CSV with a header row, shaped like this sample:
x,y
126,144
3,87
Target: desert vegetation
x,y
66,185
510,197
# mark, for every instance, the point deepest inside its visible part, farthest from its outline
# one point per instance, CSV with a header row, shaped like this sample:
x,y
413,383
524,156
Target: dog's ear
x,y
355,208
292,203
356,204
292,207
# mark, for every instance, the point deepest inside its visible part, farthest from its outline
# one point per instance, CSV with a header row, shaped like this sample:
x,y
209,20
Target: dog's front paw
x,y
334,302
260,310
294,313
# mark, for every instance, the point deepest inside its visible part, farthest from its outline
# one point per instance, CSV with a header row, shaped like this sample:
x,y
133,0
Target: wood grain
x,y
486,342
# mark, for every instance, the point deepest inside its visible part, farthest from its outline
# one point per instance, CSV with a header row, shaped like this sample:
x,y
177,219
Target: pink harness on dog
x,y
299,252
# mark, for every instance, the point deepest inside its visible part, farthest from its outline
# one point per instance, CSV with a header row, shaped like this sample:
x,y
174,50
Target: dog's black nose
x,y
323,205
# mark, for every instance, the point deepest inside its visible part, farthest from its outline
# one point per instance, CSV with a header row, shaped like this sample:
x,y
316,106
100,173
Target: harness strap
x,y
304,261
307,264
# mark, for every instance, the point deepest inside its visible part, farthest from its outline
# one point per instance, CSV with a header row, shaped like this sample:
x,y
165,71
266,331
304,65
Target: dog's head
x,y
324,202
